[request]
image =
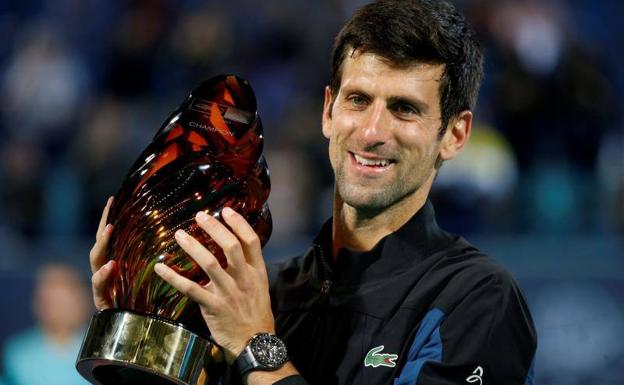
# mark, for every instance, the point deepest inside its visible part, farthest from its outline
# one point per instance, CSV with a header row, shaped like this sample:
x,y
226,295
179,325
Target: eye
x,y
405,110
357,100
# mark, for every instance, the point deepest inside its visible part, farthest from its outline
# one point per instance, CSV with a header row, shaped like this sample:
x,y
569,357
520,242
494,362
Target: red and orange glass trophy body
x,y
206,156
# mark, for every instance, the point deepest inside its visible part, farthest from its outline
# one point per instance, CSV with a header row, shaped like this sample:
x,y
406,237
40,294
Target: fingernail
x,y
159,268
202,216
227,211
181,235
108,265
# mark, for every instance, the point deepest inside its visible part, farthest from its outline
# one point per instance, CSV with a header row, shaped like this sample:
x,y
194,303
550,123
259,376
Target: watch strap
x,y
246,362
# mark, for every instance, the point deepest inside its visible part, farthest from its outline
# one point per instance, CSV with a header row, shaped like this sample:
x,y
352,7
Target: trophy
x,y
206,156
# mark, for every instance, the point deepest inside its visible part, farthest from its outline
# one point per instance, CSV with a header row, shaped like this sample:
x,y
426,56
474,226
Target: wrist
x,y
233,350
263,352
265,378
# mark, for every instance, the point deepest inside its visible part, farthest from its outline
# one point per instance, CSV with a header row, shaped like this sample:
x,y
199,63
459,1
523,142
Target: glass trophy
x,y
206,156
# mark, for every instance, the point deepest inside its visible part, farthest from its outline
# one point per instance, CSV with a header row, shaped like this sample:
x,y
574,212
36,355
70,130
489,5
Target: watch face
x,y
269,350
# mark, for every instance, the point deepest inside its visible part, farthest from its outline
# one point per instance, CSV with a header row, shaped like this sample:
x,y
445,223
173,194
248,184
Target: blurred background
x,y
85,84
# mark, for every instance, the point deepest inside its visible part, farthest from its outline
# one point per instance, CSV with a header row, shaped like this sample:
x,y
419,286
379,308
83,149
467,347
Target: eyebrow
x,y
419,105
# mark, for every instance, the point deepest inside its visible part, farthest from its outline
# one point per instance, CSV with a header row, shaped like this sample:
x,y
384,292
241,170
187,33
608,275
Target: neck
x,y
59,336
361,230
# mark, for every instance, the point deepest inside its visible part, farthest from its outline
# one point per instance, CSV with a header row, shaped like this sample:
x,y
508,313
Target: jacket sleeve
x,y
487,337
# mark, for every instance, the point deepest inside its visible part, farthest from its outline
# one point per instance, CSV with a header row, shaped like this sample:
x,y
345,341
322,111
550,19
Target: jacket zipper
x,y
326,284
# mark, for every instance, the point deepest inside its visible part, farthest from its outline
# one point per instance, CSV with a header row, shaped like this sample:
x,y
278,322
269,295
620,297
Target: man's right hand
x,y
102,272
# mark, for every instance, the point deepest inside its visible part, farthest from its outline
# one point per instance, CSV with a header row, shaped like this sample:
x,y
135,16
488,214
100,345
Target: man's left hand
x,y
235,303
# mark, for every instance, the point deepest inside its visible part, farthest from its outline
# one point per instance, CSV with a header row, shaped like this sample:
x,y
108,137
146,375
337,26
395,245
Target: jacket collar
x,y
417,239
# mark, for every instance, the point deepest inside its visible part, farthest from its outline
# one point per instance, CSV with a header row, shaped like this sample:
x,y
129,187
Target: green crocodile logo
x,y
375,359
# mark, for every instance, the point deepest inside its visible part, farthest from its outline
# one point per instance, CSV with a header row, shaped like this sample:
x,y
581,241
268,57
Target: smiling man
x,y
385,145
383,295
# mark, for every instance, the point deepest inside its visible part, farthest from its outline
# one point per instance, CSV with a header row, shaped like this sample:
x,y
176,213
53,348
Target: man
x,y
384,295
46,354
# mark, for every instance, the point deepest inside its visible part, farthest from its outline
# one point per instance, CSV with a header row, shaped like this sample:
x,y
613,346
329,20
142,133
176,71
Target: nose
x,y
373,131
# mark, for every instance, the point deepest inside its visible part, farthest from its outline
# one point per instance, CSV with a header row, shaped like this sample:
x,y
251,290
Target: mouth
x,y
373,163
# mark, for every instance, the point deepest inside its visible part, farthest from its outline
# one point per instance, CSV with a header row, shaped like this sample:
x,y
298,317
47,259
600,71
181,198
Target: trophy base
x,y
121,347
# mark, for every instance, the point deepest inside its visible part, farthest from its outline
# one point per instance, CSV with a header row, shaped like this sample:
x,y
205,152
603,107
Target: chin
x,y
374,200
365,200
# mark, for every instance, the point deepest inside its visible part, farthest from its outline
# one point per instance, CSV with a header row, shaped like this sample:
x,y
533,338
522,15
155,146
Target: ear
x,y
327,112
456,135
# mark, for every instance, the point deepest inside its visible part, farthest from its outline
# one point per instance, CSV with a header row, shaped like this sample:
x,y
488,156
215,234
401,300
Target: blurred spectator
x,y
47,353
472,192
200,43
554,102
42,88
21,187
136,41
102,153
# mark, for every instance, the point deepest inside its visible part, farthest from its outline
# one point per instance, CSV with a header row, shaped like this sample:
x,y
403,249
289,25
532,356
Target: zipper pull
x,y
325,286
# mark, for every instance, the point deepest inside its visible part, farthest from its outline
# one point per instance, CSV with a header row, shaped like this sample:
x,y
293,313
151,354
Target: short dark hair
x,y
417,31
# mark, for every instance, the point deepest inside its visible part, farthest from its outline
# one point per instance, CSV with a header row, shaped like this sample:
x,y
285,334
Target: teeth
x,y
369,162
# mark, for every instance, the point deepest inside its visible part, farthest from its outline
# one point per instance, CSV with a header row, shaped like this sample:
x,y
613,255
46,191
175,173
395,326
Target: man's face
x,y
383,130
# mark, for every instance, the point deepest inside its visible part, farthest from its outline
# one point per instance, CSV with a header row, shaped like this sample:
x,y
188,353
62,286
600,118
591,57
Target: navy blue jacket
x,y
422,307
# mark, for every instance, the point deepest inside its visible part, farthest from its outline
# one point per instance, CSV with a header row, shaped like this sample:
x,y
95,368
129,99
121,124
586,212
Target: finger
x,y
224,238
249,240
103,218
204,258
185,286
97,255
100,282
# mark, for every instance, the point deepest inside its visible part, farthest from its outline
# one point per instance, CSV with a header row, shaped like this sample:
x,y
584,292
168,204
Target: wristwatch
x,y
264,351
